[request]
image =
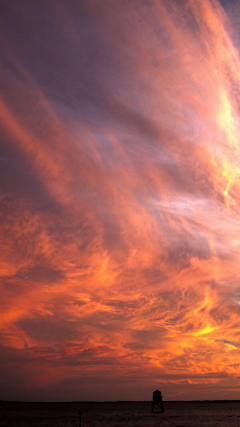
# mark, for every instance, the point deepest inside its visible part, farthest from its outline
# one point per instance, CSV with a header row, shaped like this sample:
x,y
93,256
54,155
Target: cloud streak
x,y
119,200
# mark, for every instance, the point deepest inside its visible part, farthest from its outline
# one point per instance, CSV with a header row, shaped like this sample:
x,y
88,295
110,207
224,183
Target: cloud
x,y
119,198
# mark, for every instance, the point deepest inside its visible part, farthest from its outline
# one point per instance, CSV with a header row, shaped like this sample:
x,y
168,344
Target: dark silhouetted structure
x,y
157,398
80,415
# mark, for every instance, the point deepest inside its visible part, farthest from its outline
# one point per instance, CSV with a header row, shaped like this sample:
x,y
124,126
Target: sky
x,y
119,200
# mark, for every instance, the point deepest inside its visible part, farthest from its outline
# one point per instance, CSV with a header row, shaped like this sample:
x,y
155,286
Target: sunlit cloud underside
x,y
120,193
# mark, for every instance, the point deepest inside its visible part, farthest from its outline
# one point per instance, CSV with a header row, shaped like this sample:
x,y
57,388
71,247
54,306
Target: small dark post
x,y
157,398
80,415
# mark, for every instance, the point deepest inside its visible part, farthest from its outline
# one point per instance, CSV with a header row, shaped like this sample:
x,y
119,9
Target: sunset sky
x,y
120,199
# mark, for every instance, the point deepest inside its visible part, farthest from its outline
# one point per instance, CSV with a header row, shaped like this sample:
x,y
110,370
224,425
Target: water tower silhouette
x,y
157,398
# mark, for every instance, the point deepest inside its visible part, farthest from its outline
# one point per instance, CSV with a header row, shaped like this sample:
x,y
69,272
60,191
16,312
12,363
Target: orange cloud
x,y
119,201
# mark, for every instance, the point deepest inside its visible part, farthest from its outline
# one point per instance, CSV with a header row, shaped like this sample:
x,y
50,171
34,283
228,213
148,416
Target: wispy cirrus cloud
x,y
119,199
